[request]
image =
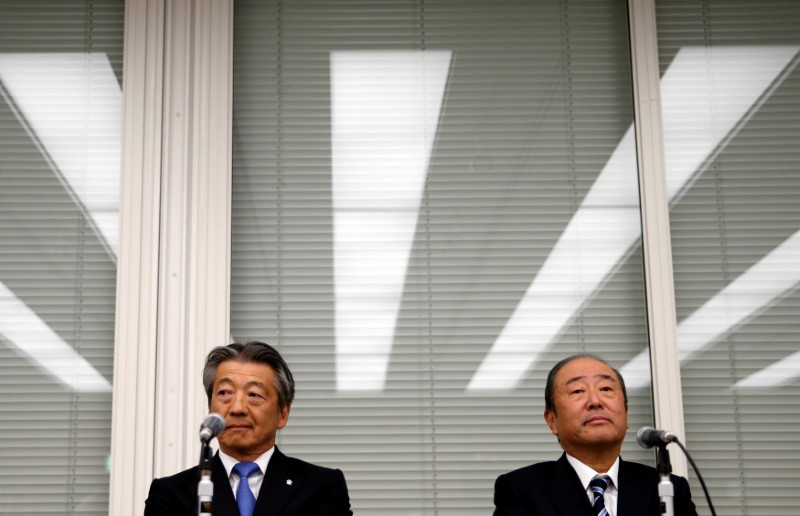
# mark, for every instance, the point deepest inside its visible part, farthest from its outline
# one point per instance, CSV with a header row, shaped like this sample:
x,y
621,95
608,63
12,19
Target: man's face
x,y
245,395
589,407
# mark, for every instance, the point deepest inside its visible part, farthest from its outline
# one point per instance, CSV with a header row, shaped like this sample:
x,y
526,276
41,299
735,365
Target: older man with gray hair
x,y
251,387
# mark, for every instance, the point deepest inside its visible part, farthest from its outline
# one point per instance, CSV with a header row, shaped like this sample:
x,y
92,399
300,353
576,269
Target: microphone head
x,y
647,437
212,425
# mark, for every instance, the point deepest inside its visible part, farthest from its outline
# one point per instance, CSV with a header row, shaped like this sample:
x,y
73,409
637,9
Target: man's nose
x,y
238,403
594,398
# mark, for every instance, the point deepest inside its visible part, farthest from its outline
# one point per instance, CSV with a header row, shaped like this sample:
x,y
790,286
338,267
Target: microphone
x,y
211,426
648,437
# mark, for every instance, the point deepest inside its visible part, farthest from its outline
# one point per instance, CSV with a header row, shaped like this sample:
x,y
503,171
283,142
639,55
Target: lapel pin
x,y
288,481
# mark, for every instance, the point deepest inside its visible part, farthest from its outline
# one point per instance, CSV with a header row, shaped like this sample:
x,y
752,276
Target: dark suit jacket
x,y
554,489
313,491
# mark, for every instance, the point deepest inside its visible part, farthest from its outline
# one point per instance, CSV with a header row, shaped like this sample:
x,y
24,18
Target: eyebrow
x,y
253,383
601,376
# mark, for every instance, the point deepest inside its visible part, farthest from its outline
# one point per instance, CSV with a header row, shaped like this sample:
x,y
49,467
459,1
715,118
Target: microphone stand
x,y
205,488
666,491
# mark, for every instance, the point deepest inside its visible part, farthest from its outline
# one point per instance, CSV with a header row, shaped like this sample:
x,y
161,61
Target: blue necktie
x,y
599,484
244,496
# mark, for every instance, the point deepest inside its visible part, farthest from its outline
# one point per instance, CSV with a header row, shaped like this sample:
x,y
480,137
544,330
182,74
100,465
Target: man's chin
x,y
233,446
601,431
604,438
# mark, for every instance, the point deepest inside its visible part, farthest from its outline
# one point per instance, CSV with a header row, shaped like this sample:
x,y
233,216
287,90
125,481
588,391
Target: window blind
x,y
60,105
732,119
434,202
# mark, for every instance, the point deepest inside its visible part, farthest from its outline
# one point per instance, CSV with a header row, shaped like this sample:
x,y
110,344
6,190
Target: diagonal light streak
x,y
27,332
774,375
71,105
384,115
756,288
706,89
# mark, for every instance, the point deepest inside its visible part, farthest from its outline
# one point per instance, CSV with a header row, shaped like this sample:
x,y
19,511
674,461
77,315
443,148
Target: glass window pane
x,y
433,203
60,121
731,93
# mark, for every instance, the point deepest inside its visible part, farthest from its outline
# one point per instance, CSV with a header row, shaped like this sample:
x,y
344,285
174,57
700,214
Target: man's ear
x,y
284,418
550,418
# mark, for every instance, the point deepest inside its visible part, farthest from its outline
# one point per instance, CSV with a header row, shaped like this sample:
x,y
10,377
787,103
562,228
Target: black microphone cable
x,y
696,472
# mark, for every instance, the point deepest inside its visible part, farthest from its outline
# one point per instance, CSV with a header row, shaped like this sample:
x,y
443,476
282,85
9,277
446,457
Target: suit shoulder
x,y
299,464
174,494
544,469
187,475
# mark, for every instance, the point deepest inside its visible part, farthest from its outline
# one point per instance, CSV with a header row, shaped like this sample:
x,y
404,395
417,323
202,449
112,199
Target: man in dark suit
x,y
586,408
251,386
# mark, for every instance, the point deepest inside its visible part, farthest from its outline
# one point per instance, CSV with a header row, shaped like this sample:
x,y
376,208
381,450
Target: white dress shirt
x,y
586,474
255,480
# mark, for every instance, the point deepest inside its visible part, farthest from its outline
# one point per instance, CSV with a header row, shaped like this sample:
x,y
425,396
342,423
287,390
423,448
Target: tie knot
x,y
599,484
245,469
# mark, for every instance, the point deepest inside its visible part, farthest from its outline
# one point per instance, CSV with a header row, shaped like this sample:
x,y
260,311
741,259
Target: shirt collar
x,y
262,461
586,474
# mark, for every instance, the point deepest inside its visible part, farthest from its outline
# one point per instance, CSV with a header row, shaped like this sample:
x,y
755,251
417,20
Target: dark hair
x,y
252,351
549,401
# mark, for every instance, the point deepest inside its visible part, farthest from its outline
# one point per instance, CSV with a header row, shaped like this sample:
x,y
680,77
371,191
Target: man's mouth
x,y
597,420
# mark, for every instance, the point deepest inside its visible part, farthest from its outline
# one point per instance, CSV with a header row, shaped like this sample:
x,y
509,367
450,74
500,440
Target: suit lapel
x,y
635,491
224,501
566,492
279,485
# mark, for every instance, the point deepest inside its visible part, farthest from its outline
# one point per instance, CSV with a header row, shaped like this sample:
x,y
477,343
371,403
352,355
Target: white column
x,y
657,246
138,263
173,285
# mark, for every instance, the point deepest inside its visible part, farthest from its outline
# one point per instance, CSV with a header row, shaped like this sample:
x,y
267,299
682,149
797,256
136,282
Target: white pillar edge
x,y
208,322
656,240
138,259
195,232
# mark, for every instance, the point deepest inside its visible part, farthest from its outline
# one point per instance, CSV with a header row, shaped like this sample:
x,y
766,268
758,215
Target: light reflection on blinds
x,y
24,329
734,121
82,143
84,138
60,126
711,91
519,120
381,140
607,223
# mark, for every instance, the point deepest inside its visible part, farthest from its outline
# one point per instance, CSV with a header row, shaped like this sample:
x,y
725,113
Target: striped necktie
x,y
599,484
244,496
